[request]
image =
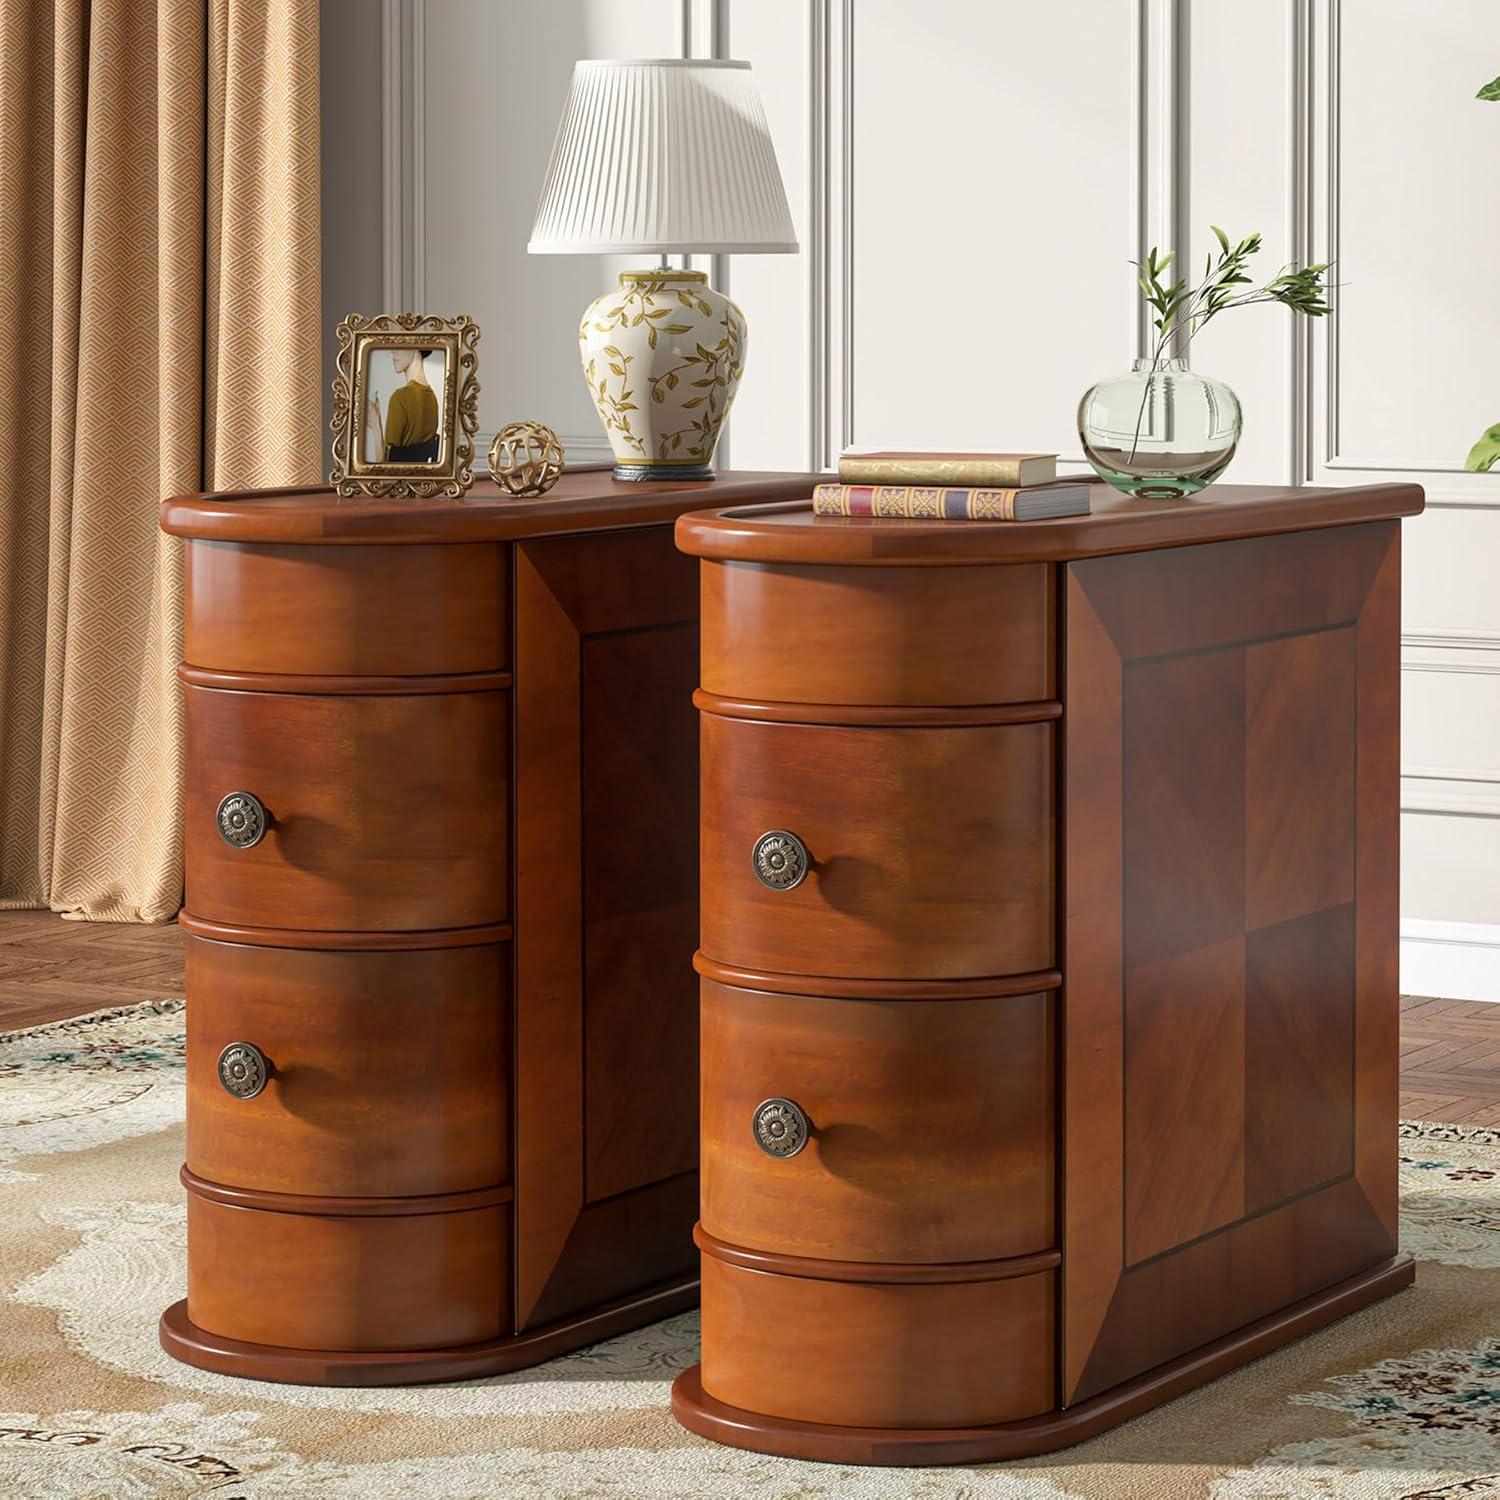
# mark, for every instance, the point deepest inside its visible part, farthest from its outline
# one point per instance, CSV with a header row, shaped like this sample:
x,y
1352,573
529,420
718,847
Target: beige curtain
x,y
159,333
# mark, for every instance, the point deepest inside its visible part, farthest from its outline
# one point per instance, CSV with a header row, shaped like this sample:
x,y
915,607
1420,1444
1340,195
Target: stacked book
x,y
951,486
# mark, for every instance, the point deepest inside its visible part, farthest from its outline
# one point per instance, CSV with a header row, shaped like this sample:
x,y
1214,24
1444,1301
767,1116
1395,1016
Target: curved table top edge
x,y
583,500
790,534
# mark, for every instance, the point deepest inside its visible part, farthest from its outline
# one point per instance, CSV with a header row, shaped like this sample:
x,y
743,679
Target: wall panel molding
x,y
403,114
1163,124
830,234
1451,650
1457,791
1452,960
1300,227
1470,490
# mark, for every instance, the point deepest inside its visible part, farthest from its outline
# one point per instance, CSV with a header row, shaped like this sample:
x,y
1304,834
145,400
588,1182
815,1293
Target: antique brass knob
x,y
780,860
241,819
780,1127
243,1070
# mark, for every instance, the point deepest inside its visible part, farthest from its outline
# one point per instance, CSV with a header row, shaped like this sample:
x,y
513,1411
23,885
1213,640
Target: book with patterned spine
x,y
916,466
948,503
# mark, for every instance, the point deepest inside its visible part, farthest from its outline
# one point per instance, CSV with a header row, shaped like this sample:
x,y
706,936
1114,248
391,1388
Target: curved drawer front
x,y
878,1355
387,1073
930,850
931,1126
345,611
384,813
896,636
305,1281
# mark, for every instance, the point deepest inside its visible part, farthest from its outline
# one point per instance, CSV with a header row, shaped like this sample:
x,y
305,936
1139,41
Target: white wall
x,y
968,168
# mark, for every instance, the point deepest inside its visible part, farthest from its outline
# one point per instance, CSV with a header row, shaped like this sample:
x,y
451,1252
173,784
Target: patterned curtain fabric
x,y
159,334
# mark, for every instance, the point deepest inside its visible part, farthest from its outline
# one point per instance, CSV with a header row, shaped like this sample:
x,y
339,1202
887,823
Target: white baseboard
x,y
1453,960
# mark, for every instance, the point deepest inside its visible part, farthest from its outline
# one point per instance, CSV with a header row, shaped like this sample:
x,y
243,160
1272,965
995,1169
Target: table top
x,y
582,500
791,533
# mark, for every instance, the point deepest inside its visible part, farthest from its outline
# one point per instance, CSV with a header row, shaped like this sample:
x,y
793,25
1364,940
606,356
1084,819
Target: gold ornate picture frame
x,y
406,431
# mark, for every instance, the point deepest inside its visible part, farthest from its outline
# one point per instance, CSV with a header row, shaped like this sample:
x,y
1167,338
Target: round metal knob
x,y
243,1070
780,1127
780,860
242,820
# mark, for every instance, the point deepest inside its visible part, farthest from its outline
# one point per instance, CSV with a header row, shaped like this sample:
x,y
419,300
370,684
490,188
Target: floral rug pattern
x,y
1398,1402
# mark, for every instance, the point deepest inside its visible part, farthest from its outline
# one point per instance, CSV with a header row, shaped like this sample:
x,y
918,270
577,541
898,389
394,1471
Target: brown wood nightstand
x,y
442,864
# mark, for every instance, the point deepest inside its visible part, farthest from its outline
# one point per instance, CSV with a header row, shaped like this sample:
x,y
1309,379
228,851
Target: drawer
x,y
894,636
861,1354
346,611
931,1126
931,850
389,1072
384,813
308,1281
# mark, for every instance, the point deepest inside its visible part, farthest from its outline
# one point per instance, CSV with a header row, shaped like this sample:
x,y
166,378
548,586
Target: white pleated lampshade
x,y
662,156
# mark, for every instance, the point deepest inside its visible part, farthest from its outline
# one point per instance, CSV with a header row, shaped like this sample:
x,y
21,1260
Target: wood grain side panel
x,y
1377,894
1299,1056
887,636
1318,1077
356,1041
549,933
385,813
878,1355
1208,597
1216,1285
346,611
932,1126
417,1281
932,849
606,911
623,1246
1299,757
1184,778
640,891
1184,1097
1092,1010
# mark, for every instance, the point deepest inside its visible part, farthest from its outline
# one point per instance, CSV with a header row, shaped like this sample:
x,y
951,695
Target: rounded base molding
x,y
185,1341
641,472
785,1437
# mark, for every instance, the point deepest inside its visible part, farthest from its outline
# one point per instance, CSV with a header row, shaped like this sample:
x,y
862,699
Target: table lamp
x,y
666,156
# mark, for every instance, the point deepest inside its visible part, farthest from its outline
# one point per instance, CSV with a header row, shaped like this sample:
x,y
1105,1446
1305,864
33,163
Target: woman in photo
x,y
411,422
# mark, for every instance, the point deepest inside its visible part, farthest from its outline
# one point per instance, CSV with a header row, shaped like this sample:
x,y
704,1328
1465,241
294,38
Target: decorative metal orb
x,y
526,458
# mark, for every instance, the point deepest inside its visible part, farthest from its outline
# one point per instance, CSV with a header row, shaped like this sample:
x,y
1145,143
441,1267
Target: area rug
x,y
1399,1402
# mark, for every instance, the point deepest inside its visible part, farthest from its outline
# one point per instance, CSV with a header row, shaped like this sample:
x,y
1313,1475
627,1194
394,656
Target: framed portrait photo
x,y
405,405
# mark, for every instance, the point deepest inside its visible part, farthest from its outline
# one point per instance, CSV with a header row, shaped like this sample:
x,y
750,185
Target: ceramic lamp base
x,y
698,472
662,354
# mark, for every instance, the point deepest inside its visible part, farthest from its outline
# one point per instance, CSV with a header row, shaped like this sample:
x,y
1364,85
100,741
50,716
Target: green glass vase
x,y
1160,432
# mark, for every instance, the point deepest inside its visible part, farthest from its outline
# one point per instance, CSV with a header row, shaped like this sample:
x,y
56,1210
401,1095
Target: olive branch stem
x,y
1184,308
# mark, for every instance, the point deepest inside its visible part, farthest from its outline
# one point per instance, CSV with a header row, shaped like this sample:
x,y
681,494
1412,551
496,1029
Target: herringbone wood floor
x,y
51,969
1450,1061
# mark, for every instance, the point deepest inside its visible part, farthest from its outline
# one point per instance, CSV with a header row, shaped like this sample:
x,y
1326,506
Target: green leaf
x,y
1484,453
1491,92
1222,238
